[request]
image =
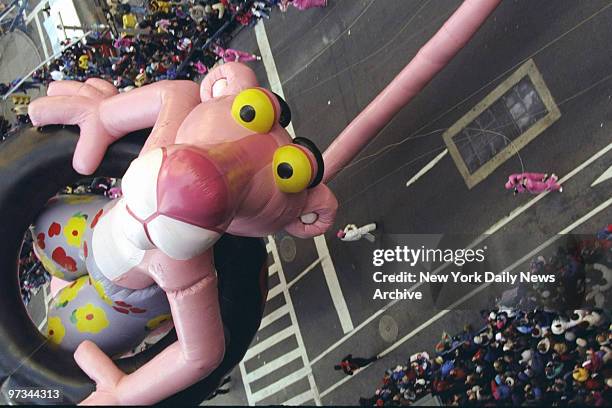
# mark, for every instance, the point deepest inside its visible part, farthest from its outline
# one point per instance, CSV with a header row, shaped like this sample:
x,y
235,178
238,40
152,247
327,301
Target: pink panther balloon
x,y
218,160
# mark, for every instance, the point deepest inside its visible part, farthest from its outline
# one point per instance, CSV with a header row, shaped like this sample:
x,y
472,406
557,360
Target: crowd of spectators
x,y
163,40
522,357
154,41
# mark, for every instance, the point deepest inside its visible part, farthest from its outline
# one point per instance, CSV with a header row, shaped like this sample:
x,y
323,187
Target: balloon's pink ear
x,y
227,79
318,214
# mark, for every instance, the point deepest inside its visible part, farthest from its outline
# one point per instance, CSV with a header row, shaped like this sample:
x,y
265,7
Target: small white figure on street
x,y
353,233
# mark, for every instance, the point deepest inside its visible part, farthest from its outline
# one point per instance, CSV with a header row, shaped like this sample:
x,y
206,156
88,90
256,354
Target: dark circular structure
x,y
34,165
388,328
287,248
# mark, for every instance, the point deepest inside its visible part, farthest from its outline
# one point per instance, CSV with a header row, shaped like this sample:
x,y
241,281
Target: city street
x,y
531,92
329,64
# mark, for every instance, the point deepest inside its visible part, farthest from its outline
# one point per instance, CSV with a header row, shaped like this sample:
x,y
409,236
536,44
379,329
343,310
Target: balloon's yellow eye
x,y
253,109
292,169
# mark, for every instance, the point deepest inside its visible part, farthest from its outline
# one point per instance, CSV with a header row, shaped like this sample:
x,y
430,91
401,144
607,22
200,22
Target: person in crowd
x,y
534,183
221,390
350,364
542,354
233,55
301,4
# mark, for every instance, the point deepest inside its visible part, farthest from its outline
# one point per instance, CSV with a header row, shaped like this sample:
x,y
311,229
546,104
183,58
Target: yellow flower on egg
x,y
55,330
74,229
89,319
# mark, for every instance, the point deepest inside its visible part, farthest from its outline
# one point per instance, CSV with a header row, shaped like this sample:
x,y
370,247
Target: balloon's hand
x,y
101,398
77,103
103,371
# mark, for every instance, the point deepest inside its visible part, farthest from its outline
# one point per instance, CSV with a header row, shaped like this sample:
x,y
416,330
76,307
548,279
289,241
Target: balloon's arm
x,y
163,105
198,351
104,116
431,59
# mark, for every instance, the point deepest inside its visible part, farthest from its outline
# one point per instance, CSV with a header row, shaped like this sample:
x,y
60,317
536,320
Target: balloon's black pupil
x,y
284,170
247,113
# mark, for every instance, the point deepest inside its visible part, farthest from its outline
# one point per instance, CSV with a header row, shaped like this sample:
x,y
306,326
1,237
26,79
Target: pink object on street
x,y
534,183
307,4
233,55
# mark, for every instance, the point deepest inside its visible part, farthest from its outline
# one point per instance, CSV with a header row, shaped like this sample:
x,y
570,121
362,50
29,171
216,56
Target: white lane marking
x,y
298,352
304,272
329,271
428,167
299,399
274,292
268,60
42,36
48,296
355,330
274,316
46,293
281,384
273,365
247,385
537,198
474,292
42,324
328,266
294,322
269,342
272,269
490,231
592,213
605,176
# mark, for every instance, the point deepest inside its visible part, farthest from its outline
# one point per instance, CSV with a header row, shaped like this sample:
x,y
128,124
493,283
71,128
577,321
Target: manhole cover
x,y
387,327
287,249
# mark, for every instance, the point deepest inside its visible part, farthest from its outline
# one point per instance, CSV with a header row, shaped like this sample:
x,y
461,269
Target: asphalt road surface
x,y
552,65
329,63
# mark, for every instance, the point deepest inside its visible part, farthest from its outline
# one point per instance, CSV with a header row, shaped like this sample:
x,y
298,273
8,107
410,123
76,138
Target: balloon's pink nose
x,y
191,188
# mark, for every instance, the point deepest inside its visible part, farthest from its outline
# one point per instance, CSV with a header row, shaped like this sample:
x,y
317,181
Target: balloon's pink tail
x,y
430,59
